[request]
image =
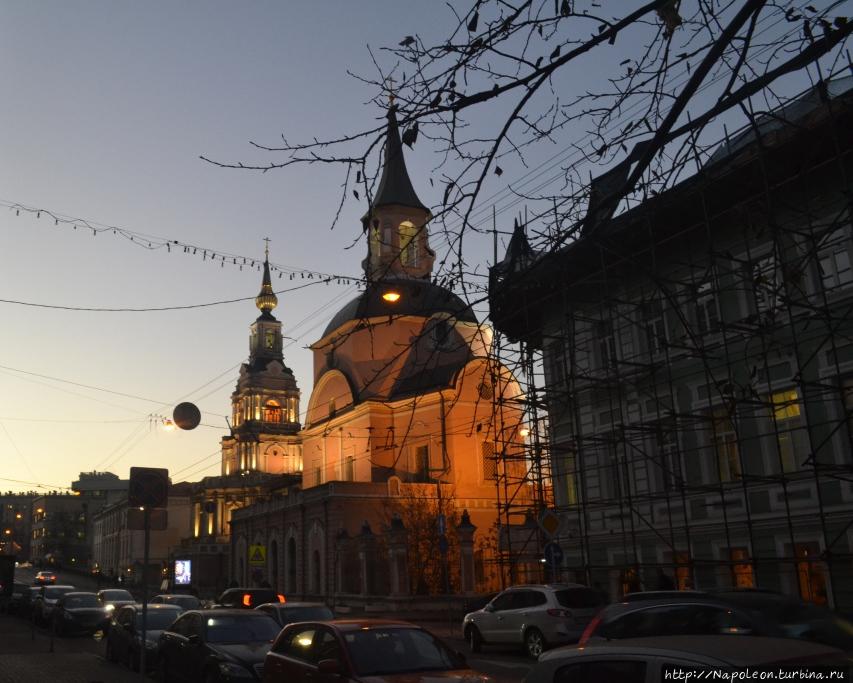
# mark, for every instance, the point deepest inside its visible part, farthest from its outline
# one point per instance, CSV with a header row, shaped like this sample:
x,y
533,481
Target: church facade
x,y
390,486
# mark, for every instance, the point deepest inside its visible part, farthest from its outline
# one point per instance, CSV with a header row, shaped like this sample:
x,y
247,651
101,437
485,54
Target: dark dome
x,y
417,297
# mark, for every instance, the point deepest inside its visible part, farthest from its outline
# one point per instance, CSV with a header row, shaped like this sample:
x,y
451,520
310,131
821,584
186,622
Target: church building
x,y
390,487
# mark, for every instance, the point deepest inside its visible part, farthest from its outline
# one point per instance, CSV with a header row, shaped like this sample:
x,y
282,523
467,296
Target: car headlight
x,y
234,670
110,608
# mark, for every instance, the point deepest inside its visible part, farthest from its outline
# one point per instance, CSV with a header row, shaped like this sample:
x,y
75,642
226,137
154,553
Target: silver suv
x,y
534,616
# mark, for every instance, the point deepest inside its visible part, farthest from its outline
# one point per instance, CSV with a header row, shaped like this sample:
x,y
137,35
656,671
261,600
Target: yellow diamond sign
x,y
257,555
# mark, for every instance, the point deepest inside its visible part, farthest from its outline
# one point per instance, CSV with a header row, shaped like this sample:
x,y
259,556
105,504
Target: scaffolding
x,y
687,367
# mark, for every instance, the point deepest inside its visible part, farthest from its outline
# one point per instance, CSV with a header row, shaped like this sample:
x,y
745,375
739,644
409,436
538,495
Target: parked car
x,y
124,637
372,650
288,612
113,598
216,646
534,616
672,616
182,600
247,598
29,602
12,604
44,578
46,602
646,660
793,618
78,612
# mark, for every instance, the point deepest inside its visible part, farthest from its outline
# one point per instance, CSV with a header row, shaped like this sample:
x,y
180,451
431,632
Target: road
x,y
32,654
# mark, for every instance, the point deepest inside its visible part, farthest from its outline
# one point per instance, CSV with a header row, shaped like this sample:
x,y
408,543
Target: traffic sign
x,y
257,555
550,523
553,554
149,487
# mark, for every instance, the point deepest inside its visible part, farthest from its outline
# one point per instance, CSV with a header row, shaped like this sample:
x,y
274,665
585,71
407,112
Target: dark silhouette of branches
x,y
512,81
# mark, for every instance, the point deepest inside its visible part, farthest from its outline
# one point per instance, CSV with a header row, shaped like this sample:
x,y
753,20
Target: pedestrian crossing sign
x,y
257,555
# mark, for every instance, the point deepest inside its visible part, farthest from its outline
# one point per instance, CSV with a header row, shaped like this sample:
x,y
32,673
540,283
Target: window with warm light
x,y
791,436
272,411
408,244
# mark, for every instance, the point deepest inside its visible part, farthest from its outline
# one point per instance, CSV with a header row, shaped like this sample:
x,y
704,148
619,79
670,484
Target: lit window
x,y
791,437
272,412
742,571
408,244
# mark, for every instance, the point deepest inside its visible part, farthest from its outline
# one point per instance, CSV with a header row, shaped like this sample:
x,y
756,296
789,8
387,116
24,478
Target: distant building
x,y
698,363
118,550
62,522
15,521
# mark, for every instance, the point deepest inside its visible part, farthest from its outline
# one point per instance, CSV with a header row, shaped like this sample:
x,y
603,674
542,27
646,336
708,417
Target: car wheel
x,y
475,640
534,643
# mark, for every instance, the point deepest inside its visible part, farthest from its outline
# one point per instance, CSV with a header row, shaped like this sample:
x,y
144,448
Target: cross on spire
x,y
266,248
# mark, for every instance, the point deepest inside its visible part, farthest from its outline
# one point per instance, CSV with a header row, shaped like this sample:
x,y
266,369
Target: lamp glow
x,y
524,431
391,296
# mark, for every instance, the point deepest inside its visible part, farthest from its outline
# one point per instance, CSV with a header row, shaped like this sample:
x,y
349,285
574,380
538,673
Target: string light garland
x,y
155,243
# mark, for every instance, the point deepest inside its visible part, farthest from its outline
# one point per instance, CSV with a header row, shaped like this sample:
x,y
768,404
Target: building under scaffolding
x,y
697,358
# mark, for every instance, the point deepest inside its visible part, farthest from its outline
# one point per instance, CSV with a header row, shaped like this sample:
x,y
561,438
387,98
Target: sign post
x,y
148,488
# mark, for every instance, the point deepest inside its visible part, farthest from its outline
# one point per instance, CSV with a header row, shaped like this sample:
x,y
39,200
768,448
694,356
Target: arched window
x,y
272,411
290,562
274,564
316,583
408,244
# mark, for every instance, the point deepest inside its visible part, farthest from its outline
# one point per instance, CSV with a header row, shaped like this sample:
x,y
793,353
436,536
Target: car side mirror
x,y
329,667
194,639
489,608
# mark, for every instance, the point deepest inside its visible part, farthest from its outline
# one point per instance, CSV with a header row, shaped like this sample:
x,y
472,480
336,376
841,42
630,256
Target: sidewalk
x,y
25,659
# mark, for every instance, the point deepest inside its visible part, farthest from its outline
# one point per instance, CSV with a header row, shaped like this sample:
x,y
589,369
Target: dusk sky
x,y
106,108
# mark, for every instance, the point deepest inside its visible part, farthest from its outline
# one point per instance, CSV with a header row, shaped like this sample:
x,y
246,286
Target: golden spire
x,y
266,300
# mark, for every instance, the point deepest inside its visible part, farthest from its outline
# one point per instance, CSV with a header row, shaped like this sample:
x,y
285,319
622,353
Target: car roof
x,y
619,608
138,606
547,586
735,650
286,605
364,624
652,595
60,585
72,593
227,612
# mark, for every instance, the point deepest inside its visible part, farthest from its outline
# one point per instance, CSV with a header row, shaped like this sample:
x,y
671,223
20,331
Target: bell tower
x,y
396,224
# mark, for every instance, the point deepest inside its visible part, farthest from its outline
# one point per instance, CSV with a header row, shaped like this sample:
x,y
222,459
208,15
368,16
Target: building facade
x,y
15,521
698,368
119,551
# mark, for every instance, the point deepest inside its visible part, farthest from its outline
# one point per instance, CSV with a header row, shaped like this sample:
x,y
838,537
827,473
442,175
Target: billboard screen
x,y
183,572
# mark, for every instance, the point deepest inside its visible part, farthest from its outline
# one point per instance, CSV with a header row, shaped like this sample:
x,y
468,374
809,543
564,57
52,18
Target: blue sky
x,y
106,107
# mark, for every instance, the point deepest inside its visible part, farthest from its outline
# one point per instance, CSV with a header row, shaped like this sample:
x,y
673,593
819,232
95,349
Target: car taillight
x,y
247,599
561,613
589,630
281,598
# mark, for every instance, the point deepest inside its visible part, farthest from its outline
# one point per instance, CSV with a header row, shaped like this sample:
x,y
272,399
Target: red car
x,y
358,649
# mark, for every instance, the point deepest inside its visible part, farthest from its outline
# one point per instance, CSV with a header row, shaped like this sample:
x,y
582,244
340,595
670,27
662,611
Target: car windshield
x,y
381,651
289,615
183,601
241,629
157,619
77,601
579,598
115,595
55,592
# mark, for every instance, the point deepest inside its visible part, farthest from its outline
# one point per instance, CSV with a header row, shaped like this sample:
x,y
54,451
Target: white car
x,y
534,616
